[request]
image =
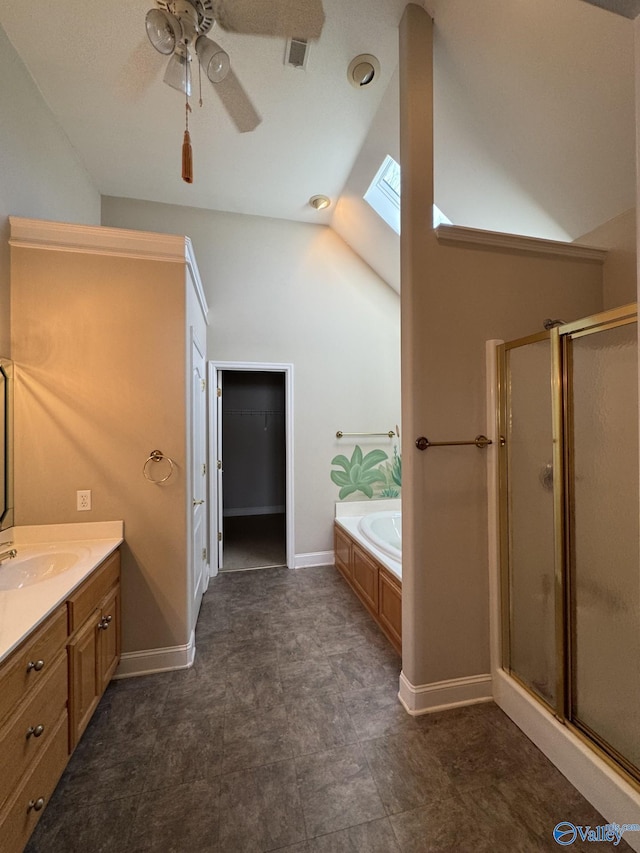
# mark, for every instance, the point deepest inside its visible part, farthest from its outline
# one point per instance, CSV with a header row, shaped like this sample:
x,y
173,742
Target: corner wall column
x,y
416,158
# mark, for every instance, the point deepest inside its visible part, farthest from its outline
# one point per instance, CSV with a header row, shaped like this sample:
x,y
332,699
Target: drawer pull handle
x,y
104,623
36,731
36,805
108,619
35,664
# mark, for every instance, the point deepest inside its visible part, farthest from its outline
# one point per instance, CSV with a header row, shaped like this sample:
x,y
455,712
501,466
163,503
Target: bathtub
x,y
379,532
384,531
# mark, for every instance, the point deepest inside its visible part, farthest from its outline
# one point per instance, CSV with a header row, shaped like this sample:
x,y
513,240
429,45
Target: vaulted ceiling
x,y
534,114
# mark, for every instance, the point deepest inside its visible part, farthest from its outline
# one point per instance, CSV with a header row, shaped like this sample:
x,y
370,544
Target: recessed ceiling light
x,y
319,202
363,71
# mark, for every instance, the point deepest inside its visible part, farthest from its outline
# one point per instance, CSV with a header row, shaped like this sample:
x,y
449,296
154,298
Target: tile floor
x,y
287,735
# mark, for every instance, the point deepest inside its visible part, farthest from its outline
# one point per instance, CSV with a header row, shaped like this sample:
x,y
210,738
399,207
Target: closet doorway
x,y
251,456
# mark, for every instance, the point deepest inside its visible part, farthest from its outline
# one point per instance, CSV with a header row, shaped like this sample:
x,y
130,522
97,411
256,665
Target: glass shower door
x,y
527,515
601,370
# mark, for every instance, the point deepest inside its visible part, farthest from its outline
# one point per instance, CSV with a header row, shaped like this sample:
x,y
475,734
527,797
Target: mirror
x,y
6,443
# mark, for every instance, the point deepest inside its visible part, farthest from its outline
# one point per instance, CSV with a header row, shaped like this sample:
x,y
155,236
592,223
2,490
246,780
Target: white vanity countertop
x,y
23,609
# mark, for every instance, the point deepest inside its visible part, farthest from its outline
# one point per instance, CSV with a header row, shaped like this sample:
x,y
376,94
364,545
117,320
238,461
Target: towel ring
x,y
158,456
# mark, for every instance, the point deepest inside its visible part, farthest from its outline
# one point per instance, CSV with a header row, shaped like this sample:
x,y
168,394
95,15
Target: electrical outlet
x,y
83,499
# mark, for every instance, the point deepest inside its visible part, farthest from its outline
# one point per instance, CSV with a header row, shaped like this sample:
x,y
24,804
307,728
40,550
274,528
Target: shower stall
x,y
569,530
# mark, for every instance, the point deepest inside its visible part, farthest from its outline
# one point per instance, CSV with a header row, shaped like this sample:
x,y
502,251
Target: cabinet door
x,y
109,638
85,683
391,609
342,551
365,578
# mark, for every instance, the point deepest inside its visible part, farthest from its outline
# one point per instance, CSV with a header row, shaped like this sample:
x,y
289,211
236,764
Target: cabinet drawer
x,y
18,748
28,666
20,813
88,597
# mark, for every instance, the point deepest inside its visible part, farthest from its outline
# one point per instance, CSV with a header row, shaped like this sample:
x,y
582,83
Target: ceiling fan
x,y
178,28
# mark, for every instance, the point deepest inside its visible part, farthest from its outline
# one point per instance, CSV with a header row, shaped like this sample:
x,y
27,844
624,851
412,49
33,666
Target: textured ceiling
x,y
103,82
534,114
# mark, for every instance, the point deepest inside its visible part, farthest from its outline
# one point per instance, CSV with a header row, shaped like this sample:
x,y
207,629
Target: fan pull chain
x,y
200,84
187,154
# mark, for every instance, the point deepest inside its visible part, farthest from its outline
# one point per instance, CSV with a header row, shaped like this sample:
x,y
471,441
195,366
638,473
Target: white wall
x,y
290,292
40,175
618,237
534,115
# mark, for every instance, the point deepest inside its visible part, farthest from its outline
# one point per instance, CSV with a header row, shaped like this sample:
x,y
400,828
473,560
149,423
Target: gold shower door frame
x,y
561,368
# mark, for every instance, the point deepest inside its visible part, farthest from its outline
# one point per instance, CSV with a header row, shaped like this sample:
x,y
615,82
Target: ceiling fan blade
x,y
237,103
287,18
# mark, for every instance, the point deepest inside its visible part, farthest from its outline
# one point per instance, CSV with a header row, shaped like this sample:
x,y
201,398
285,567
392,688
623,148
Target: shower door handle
x,y
197,503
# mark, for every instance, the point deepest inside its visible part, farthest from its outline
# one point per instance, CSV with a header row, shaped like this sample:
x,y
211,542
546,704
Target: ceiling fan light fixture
x,y
213,59
178,73
163,30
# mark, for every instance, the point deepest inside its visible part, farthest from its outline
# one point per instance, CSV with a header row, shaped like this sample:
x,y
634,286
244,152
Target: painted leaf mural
x,y
371,474
359,473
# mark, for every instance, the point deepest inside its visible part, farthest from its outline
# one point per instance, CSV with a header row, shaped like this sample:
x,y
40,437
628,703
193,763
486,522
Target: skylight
x,y
383,196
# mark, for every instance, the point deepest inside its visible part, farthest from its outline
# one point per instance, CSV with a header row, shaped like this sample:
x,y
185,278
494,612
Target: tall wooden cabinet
x,y
109,345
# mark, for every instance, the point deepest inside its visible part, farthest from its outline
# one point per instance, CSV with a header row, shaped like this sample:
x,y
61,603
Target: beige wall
x,y
40,174
98,344
618,236
282,291
454,299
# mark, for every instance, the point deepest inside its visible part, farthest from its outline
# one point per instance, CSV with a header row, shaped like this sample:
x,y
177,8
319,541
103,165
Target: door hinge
x,y
219,464
219,392
219,535
204,554
204,469
203,384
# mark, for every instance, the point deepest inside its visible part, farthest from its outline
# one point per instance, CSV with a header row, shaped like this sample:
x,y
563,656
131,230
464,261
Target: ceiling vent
x,y
297,53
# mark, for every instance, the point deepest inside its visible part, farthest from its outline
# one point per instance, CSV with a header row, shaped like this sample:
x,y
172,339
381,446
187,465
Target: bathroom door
x,y
200,570
219,502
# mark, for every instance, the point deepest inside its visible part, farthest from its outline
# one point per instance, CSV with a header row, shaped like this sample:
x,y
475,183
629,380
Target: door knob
x,y
197,503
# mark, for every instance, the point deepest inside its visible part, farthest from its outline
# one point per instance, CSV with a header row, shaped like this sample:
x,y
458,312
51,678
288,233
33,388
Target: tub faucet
x,y
9,554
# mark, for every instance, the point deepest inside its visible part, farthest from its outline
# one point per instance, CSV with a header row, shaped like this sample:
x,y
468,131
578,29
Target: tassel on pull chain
x,y
187,154
187,159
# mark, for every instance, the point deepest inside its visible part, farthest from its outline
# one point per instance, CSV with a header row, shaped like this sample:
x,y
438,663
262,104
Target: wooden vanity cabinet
x,y
49,688
94,646
34,729
378,588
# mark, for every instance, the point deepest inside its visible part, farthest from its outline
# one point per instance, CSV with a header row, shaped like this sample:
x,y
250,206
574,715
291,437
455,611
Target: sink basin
x,y
37,565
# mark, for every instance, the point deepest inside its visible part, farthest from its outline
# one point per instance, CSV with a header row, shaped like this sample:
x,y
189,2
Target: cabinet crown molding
x,y
97,239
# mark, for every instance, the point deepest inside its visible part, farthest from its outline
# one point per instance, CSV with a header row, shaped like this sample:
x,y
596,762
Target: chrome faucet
x,y
9,554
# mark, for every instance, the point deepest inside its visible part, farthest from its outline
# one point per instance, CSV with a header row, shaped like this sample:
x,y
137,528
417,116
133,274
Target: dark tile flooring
x,y
287,735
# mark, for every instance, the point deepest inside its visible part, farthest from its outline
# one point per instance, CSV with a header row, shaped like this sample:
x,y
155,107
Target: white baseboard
x,y
314,558
605,789
441,695
150,661
254,510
